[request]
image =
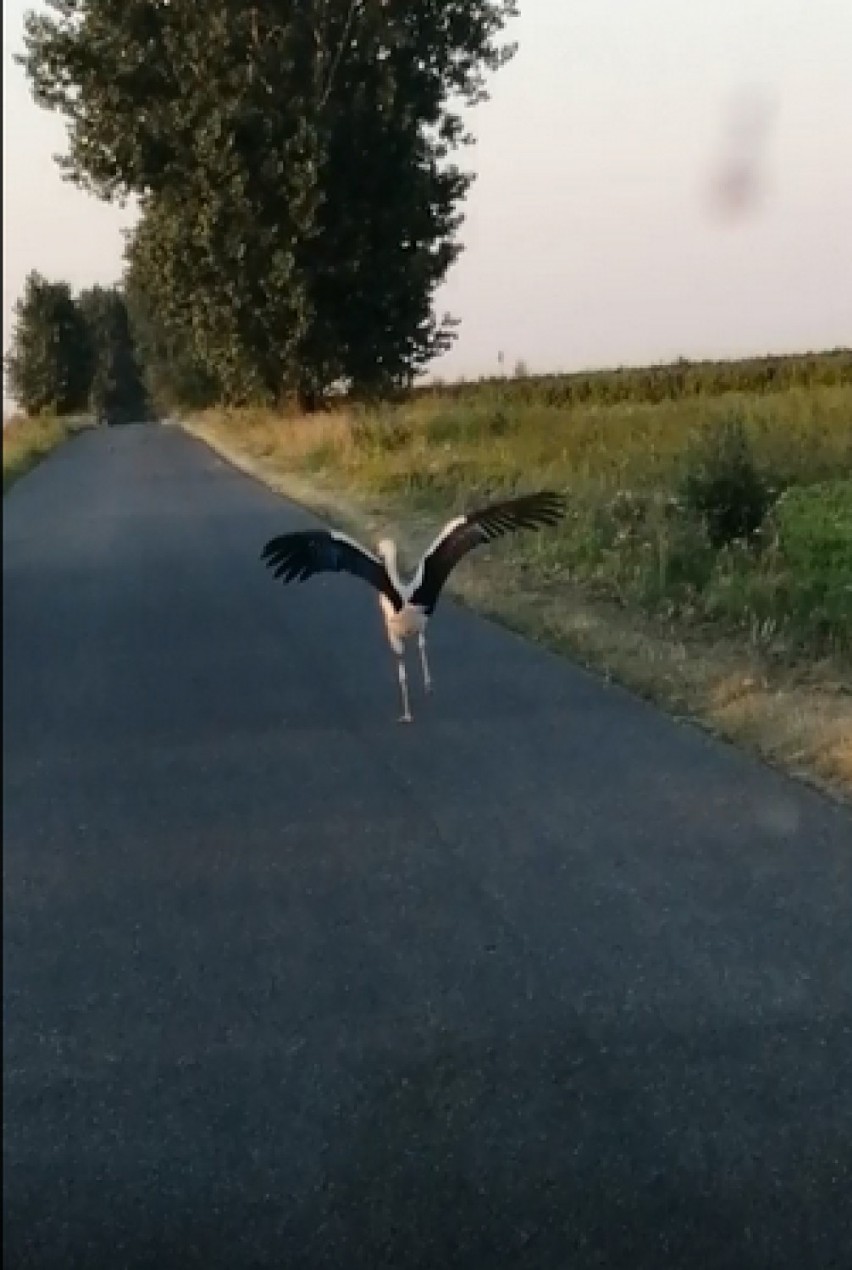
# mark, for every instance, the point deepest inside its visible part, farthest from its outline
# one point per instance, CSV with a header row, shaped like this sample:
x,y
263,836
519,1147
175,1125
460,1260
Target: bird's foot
x,y
427,687
405,718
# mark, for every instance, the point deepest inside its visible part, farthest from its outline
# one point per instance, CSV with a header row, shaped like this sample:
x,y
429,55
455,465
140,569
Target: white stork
x,y
407,606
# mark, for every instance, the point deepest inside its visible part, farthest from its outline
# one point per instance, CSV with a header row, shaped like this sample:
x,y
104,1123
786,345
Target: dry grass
x,y
26,441
712,636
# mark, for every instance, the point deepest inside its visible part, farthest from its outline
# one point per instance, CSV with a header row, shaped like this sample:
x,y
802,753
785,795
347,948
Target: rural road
x,y
545,980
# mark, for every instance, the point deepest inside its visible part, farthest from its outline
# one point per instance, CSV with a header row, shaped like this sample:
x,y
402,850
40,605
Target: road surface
x,y
545,980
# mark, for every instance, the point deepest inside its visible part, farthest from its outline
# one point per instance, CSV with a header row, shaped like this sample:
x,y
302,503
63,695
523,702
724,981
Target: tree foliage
x,y
158,293
293,161
117,393
49,366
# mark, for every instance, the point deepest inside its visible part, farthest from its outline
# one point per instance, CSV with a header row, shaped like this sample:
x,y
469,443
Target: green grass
x,y
26,441
799,586
631,581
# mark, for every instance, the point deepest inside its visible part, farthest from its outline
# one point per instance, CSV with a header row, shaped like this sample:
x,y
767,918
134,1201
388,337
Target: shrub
x,y
501,423
725,486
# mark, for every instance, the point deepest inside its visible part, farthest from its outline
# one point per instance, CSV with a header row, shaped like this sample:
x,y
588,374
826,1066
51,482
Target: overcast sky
x,y
656,178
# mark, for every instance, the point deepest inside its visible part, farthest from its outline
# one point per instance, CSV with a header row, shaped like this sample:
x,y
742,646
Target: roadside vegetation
x,y
26,441
706,560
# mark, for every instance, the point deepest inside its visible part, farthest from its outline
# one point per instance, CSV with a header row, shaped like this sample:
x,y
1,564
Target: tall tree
x,y
293,161
158,303
117,392
49,365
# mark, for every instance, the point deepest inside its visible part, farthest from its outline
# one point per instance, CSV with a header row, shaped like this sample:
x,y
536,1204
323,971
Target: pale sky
x,y
596,234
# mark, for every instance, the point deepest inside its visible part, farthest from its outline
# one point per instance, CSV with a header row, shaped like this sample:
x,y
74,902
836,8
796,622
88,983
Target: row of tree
x,y
71,354
293,165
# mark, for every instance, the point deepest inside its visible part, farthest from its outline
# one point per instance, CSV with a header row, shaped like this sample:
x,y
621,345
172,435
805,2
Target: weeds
x,y
26,441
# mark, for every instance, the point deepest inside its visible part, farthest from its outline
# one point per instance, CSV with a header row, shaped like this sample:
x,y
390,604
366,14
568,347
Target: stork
x,y
407,606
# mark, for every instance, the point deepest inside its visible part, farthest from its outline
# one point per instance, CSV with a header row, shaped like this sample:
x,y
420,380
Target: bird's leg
x,y
405,717
427,678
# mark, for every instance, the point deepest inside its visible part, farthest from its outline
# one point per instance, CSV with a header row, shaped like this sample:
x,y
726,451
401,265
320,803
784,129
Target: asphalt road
x,y
545,980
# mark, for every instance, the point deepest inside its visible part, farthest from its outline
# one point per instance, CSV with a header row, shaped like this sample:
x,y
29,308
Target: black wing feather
x,y
298,556
530,511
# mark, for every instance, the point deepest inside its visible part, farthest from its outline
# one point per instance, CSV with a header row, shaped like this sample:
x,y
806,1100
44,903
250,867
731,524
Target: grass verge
x,y
755,644
26,441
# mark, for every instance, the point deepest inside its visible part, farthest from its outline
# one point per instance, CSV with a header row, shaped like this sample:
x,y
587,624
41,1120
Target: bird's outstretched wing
x,y
459,536
298,556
